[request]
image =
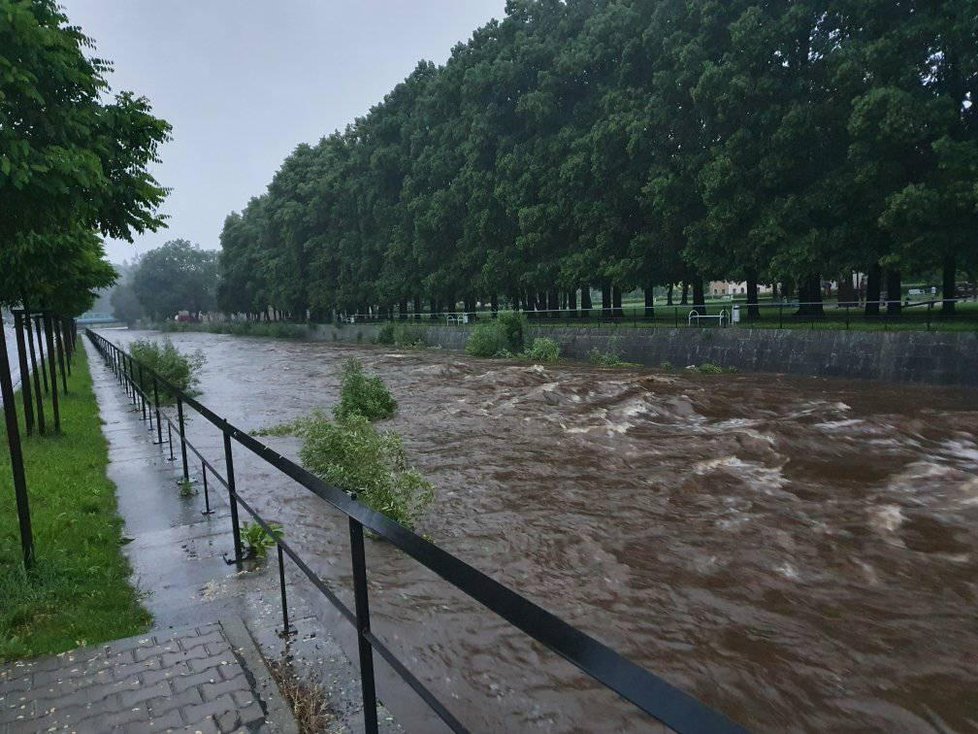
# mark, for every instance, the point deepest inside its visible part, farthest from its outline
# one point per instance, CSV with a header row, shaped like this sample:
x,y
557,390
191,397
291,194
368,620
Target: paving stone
x,y
190,681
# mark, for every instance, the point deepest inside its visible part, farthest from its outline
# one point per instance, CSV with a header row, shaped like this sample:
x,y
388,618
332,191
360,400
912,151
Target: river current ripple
x,y
801,554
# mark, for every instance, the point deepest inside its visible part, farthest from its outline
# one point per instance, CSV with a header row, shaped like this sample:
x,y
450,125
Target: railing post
x,y
142,388
207,498
156,401
232,499
59,345
40,350
25,374
53,367
16,458
169,438
367,684
286,629
183,439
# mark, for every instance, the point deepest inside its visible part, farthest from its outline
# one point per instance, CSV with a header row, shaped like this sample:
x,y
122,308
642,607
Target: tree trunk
x,y
650,301
699,297
403,308
810,295
605,299
753,310
684,298
553,303
949,287
585,301
616,302
669,295
433,315
494,305
572,303
894,292
874,284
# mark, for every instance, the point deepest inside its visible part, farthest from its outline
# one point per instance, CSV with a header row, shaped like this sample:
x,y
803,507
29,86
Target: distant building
x,y
729,288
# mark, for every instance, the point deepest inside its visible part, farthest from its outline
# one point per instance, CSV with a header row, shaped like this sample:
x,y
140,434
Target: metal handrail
x,y
647,691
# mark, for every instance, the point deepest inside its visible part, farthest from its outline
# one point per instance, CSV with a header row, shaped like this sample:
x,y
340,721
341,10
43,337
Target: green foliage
x,y
179,369
543,350
176,277
363,395
499,337
186,488
487,340
708,368
401,334
273,329
257,540
290,428
80,591
623,145
73,161
353,455
514,327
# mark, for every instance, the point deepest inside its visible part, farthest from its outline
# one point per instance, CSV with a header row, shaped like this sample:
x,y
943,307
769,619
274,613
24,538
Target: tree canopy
x,y
631,143
176,277
73,166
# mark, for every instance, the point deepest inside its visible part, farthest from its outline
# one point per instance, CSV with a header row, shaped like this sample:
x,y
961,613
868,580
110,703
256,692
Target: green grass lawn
x,y
79,591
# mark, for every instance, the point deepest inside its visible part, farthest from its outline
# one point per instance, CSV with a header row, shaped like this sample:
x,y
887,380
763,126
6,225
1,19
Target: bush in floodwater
x,y
177,368
401,334
350,453
501,336
363,394
543,350
708,368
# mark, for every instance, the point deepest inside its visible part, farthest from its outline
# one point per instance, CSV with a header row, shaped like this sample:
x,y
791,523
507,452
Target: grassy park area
x,y
79,590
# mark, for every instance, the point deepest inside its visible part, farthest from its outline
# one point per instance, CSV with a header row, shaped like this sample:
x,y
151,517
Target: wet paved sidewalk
x,y
200,679
203,665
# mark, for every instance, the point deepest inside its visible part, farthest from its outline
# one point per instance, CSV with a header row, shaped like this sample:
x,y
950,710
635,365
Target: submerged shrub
x,y
486,340
177,368
499,337
401,334
514,326
351,454
708,368
543,350
364,395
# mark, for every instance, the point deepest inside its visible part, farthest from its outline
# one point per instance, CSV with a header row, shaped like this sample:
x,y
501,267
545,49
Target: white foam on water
x,y
966,450
886,518
753,474
788,571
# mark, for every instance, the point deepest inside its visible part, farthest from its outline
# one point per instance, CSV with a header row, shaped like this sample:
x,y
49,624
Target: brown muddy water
x,y
801,554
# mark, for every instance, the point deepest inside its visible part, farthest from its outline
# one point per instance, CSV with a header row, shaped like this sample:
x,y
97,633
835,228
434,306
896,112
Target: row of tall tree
x,y
618,144
73,168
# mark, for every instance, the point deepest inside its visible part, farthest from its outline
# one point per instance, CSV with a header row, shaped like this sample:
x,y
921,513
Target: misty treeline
x,y
621,144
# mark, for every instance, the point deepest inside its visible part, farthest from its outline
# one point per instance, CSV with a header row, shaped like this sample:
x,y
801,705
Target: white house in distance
x,y
729,288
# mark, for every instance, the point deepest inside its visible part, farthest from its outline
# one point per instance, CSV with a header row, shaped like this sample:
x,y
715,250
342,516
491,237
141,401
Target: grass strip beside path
x,y
79,592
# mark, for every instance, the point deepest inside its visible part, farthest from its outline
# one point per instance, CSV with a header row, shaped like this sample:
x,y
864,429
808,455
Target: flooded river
x,y
801,554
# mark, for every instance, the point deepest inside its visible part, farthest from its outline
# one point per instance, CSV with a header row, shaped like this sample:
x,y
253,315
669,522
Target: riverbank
x,y
922,357
79,592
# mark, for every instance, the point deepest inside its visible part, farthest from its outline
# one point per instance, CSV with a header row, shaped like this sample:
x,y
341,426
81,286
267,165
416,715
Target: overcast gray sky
x,y
243,82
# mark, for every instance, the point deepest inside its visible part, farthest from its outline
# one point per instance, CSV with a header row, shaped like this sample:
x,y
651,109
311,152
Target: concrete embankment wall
x,y
939,358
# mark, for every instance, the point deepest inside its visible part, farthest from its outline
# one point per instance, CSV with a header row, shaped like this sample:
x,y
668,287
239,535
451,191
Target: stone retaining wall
x,y
940,358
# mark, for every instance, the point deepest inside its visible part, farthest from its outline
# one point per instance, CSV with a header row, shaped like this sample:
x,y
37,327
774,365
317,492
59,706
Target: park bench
x,y
696,316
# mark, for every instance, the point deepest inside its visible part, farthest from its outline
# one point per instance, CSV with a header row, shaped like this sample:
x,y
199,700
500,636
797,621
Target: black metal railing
x,y
829,314
647,691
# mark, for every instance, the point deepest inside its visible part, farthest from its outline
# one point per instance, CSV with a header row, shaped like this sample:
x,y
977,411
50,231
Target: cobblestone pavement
x,y
196,679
